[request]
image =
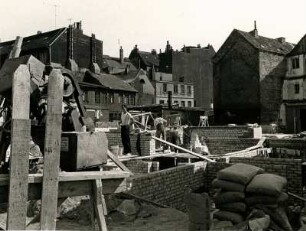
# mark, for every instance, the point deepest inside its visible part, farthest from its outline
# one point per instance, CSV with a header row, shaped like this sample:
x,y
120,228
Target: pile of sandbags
x,y
267,192
230,198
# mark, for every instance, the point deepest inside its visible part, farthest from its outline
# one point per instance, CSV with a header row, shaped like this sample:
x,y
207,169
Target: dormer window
x,y
295,63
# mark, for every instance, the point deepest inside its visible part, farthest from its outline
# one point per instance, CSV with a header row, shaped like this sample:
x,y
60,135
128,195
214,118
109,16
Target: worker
x,y
159,124
174,137
126,121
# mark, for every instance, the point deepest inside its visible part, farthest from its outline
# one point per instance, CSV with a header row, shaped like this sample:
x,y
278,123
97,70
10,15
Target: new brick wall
x,y
147,144
289,168
168,186
140,166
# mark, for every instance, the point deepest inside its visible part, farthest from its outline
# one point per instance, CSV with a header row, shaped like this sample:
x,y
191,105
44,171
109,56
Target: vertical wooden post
x,y
100,207
19,158
52,151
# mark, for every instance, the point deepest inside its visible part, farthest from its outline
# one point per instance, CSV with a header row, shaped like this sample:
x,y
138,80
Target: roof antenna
x,y
55,11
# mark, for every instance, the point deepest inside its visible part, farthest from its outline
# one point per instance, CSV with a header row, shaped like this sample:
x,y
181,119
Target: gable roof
x,y
34,41
260,43
115,66
267,44
110,81
300,48
148,58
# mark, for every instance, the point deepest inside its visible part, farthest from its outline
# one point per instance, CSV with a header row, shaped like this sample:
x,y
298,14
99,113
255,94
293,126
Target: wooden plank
x,y
52,151
118,162
98,201
15,52
183,149
19,159
70,189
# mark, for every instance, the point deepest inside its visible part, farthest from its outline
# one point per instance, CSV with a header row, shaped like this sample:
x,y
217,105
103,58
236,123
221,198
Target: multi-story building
x,y
293,110
193,64
248,77
181,93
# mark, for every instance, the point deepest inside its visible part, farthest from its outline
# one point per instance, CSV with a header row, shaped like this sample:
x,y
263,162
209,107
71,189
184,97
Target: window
x,y
111,97
175,102
164,87
175,89
120,98
188,90
183,103
132,101
126,99
161,78
295,63
181,79
182,89
97,97
161,102
86,97
297,88
189,103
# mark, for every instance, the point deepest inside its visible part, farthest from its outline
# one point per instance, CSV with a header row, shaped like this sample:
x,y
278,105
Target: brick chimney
x,y
282,40
255,31
121,54
70,42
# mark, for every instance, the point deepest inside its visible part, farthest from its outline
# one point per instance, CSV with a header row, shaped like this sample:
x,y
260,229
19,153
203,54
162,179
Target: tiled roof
x,y
300,48
267,44
116,66
111,82
148,58
33,41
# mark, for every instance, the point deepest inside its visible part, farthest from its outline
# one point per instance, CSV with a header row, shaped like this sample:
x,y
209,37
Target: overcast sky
x,y
150,23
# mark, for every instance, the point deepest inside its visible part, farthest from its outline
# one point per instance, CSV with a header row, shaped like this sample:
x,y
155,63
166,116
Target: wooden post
x,y
52,151
20,147
99,203
15,52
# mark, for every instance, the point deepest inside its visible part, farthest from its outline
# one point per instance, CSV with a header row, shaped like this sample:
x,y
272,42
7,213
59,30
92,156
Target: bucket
x,y
114,149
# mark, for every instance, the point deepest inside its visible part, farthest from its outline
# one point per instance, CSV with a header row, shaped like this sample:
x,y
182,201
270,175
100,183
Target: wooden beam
x,y
15,52
118,162
99,204
52,151
183,149
20,147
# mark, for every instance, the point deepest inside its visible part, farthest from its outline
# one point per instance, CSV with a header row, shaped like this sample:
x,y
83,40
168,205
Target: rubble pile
x,y
246,196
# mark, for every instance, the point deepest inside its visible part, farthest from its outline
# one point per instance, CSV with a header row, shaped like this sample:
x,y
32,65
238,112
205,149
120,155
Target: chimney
x,y
39,32
282,40
199,45
70,42
168,47
93,48
121,54
153,52
79,25
254,32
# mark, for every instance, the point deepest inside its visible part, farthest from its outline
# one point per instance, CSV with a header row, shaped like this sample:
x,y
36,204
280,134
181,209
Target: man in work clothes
x,y
126,120
160,129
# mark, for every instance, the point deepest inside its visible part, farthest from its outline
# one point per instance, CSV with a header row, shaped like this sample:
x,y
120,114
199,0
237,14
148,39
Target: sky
x,y
150,23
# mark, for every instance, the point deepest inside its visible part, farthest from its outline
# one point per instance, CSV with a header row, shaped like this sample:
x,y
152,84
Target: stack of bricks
x,y
147,144
291,169
168,186
142,167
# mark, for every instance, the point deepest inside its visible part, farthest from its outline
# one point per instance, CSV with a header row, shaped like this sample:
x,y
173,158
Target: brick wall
x,y
168,186
223,139
289,168
147,144
139,166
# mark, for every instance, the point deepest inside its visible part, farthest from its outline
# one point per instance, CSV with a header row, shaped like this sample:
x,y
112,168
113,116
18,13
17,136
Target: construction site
x,y
149,167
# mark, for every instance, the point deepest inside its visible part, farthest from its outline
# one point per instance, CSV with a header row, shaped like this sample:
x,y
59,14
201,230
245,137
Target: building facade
x,y
182,94
193,64
248,76
293,110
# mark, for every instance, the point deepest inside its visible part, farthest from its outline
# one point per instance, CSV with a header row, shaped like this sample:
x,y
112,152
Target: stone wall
x,y
168,186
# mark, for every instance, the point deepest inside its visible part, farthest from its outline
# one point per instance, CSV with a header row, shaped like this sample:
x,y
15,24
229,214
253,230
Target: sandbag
x,y
267,184
266,199
228,186
235,218
238,207
278,216
239,173
228,197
